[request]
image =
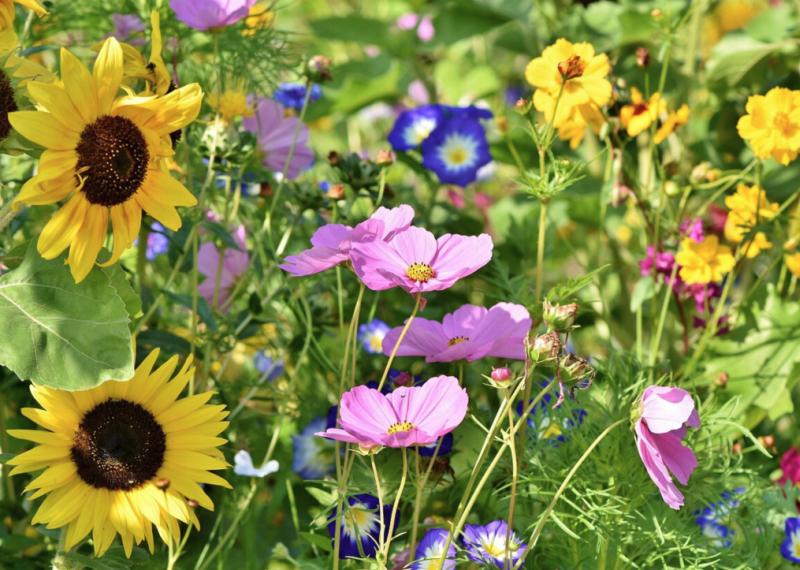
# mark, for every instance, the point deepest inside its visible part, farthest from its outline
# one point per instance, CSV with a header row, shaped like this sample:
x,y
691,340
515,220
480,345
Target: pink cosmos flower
x,y
332,242
790,465
125,25
469,333
234,265
205,14
660,425
416,261
425,31
407,416
275,133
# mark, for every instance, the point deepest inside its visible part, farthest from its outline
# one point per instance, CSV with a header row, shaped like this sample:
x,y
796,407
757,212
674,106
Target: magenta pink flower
x,y
275,134
416,261
234,265
408,416
332,242
469,333
205,14
660,425
790,466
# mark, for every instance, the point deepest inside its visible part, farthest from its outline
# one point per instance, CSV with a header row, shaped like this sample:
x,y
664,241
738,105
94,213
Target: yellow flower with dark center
x,y
674,120
772,124
704,262
7,11
578,69
638,117
106,155
124,457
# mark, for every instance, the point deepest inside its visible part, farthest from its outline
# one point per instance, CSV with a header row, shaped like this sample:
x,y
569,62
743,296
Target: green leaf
x,y
323,542
203,308
16,542
734,57
6,457
351,29
138,555
644,290
61,334
14,257
219,230
358,92
564,291
133,304
772,25
465,19
95,563
324,498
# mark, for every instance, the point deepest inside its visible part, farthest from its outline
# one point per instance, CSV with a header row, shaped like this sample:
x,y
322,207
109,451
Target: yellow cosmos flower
x,y
232,103
748,207
638,117
772,124
7,11
674,120
260,17
793,263
704,262
106,155
578,69
574,128
123,457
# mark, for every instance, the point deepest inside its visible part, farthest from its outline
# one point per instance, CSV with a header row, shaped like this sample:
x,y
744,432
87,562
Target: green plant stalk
x,y
381,189
399,341
418,499
539,527
379,491
397,502
234,525
656,342
540,251
12,496
514,474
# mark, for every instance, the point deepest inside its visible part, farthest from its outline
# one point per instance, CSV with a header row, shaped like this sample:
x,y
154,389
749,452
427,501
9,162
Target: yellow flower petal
x,y
107,75
62,228
79,85
88,242
44,129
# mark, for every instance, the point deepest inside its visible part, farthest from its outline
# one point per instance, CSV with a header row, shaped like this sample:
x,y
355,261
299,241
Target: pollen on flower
x,y
399,427
456,340
420,272
458,156
572,68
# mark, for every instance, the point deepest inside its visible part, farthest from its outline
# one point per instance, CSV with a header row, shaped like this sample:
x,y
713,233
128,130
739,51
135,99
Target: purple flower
x,y
275,134
361,523
791,546
265,364
414,126
664,262
693,228
125,25
293,95
205,14
714,520
430,549
314,456
157,241
371,334
703,294
487,544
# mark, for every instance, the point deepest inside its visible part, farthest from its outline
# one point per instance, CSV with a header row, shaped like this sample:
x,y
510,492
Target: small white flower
x,y
244,466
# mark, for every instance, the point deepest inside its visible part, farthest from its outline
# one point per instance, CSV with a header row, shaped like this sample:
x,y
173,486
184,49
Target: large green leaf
x,y
61,334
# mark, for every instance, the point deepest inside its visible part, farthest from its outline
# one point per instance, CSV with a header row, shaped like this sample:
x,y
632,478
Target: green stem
x,y
379,491
539,527
396,503
657,338
540,250
514,473
399,341
418,499
12,496
242,509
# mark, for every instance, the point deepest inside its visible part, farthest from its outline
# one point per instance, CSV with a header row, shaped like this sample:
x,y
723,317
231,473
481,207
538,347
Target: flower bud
x,y
544,348
334,158
643,57
318,69
790,245
767,441
336,191
560,318
656,13
384,158
671,188
367,449
502,375
713,174
737,448
522,106
192,504
575,370
700,172
403,379
162,484
721,381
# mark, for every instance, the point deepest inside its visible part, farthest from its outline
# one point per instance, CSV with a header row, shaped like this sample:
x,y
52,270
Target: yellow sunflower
x,y
106,153
124,457
7,11
582,73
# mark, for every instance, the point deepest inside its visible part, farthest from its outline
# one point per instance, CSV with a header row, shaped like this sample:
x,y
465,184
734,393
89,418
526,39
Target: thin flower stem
x,y
399,341
539,527
396,503
514,474
381,189
379,491
667,294
540,251
26,30
418,500
234,525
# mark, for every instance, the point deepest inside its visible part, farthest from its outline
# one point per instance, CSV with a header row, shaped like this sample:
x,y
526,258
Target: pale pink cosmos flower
x,y
407,416
660,425
275,133
332,242
205,14
469,333
234,265
125,25
416,261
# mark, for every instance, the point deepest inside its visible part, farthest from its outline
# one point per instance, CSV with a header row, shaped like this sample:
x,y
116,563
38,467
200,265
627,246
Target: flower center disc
x,y
404,427
114,153
572,68
421,272
118,446
7,105
456,340
784,124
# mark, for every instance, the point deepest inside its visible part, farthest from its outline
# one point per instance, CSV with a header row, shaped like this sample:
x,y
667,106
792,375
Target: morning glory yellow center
x,y
404,426
421,272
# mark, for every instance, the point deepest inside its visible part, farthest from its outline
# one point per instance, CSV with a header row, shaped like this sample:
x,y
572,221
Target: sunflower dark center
x,y
114,153
7,105
118,446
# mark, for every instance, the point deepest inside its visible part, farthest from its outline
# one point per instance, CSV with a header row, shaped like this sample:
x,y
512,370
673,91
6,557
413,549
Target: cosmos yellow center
x,y
399,427
572,68
421,272
456,340
784,124
7,105
458,156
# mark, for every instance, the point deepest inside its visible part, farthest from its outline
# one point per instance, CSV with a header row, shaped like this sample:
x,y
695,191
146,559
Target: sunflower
x,y
7,11
124,456
107,154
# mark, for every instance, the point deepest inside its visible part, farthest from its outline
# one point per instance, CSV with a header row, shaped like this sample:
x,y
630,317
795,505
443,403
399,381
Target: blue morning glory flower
x,y
714,520
414,125
361,523
791,546
456,150
293,95
371,334
444,449
314,456
545,425
265,364
487,544
430,549
470,112
157,241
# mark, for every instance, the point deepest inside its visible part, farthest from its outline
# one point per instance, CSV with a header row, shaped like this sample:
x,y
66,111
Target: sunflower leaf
x,y
60,334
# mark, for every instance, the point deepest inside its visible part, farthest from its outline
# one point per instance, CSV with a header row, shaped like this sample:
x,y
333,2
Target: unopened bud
x,y
502,375
721,381
671,188
713,175
336,191
162,484
574,371
656,13
560,318
367,449
334,158
643,57
384,158
192,504
700,172
502,124
544,348
768,440
522,106
318,69
265,190
737,448
403,379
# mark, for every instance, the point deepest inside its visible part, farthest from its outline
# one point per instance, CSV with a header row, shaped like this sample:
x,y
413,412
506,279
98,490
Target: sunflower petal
x,y
57,102
44,129
79,85
88,243
108,75
62,228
